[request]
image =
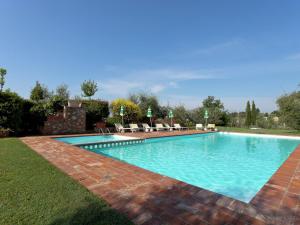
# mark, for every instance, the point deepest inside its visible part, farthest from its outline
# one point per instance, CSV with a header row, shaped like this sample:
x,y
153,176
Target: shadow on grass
x,y
94,213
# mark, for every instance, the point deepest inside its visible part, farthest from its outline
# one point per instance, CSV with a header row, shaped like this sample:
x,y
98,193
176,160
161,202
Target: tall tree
x,y
215,110
253,113
63,92
144,101
248,114
39,92
89,88
2,78
289,109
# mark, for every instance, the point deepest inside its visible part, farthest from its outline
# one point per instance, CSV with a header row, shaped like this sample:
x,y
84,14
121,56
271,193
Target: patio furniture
x,y
146,127
212,127
159,127
134,127
199,126
177,126
169,127
120,128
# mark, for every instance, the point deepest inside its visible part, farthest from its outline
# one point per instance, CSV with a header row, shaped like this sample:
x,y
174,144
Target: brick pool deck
x,y
148,198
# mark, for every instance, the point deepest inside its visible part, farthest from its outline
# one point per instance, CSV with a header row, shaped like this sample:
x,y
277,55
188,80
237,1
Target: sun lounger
x,y
134,127
169,127
177,126
199,126
146,127
119,127
159,127
211,126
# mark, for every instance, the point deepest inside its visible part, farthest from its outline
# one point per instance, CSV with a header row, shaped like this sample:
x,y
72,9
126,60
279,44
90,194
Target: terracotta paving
x,y
152,199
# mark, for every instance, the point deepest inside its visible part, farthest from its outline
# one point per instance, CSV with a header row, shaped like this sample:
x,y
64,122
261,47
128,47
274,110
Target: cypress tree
x,y
248,114
253,114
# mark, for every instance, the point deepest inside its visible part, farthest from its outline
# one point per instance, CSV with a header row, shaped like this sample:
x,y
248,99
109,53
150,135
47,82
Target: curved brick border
x,y
149,198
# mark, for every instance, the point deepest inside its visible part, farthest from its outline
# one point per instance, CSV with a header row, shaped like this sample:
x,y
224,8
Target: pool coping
x,y
150,198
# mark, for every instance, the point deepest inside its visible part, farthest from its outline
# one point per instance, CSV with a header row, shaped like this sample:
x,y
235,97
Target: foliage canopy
x,y
89,88
289,109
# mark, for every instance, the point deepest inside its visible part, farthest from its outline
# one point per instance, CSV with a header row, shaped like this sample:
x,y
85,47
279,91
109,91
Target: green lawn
x,y
32,191
261,131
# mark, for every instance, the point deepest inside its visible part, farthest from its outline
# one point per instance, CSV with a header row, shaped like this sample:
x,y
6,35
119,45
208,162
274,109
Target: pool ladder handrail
x,y
100,131
105,132
107,129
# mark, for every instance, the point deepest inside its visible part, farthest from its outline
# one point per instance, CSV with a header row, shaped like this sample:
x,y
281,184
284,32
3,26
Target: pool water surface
x,y
230,164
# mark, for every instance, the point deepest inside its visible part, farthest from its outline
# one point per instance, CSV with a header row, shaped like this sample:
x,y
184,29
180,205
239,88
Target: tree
x,y
248,114
182,116
132,111
289,109
96,111
89,88
215,110
39,93
254,113
11,105
2,79
22,116
63,92
144,101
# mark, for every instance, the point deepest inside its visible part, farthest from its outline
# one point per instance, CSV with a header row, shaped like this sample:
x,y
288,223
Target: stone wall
x,y
71,120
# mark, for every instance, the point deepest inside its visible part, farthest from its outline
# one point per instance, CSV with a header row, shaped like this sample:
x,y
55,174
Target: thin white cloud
x,y
120,87
157,88
177,74
295,56
220,47
173,84
153,80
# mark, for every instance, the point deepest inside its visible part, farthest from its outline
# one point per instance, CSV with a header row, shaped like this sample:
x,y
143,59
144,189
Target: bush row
x,y
24,116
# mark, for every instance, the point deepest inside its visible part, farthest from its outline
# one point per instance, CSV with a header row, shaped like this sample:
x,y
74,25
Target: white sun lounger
x,y
169,127
199,126
178,127
134,127
146,127
120,128
211,126
159,127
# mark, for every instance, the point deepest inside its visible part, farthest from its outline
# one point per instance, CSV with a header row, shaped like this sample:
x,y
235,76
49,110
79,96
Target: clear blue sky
x,y
182,51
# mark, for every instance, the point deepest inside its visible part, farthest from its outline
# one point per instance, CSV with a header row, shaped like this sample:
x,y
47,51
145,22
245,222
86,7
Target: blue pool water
x,y
233,165
92,139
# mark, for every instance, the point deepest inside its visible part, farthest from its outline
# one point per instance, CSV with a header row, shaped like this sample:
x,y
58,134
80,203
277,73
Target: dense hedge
x,y
19,115
11,107
27,117
96,111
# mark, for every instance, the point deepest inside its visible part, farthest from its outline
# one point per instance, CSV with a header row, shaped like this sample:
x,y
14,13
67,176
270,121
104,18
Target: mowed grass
x,y
261,131
32,191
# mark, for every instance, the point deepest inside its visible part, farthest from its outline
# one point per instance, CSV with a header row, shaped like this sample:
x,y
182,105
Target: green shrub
x,y
54,104
289,109
21,116
110,122
11,108
96,111
33,117
132,112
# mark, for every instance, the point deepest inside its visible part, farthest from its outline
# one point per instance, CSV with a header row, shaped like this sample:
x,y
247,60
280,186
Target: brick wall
x,y
71,120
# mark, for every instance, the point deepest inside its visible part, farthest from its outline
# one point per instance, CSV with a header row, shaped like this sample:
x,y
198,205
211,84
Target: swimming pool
x,y
235,165
77,140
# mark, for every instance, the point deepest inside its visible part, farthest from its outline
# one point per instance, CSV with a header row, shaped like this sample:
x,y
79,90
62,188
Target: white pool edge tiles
x,y
262,135
125,137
